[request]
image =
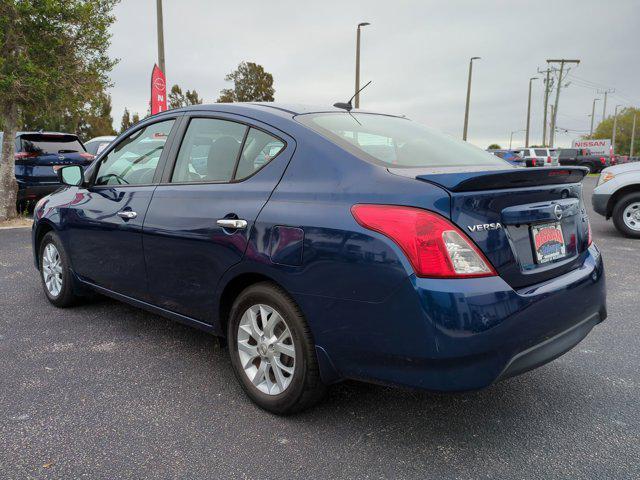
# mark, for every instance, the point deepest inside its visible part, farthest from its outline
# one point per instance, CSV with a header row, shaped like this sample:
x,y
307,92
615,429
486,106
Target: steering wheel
x,y
119,179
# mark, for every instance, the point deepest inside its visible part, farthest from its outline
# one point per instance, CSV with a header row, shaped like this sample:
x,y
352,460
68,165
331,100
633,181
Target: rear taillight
x,y
87,156
548,159
589,237
434,246
603,160
20,155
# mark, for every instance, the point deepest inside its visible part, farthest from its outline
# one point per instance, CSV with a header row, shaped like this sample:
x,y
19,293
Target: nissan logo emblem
x,y
557,211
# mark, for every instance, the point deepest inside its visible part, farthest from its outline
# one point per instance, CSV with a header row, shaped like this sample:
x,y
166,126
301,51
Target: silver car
x,y
617,196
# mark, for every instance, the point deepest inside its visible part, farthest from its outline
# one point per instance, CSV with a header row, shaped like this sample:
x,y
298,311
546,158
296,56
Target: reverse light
x,y
434,246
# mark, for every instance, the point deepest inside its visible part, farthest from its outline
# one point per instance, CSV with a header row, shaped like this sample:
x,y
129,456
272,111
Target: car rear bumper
x,y
459,334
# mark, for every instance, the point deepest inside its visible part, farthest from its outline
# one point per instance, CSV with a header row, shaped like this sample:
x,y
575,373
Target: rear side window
x,y
44,144
259,149
396,142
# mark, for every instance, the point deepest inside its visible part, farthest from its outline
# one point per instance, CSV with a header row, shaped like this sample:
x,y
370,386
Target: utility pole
x,y
357,92
526,138
633,135
551,126
593,113
604,104
466,109
615,124
561,61
548,85
161,63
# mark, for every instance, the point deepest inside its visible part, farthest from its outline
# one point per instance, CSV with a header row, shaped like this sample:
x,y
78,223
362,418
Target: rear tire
x,y
55,272
277,382
626,215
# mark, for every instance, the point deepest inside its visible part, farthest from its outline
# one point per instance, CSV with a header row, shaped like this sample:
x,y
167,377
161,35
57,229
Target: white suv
x,y
539,157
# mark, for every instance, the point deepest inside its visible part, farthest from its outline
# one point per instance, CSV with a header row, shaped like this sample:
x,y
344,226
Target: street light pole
x,y
511,137
466,109
357,97
593,113
161,63
615,124
526,138
633,135
604,104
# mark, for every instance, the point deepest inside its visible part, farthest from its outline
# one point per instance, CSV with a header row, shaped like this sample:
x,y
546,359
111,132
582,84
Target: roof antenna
x,y
348,106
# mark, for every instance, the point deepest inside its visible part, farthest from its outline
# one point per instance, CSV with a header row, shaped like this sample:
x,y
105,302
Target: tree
x,y
177,99
126,120
623,130
494,146
250,84
52,53
135,118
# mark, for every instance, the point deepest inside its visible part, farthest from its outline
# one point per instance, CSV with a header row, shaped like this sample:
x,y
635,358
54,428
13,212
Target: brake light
x,y
19,155
548,159
434,246
603,160
87,156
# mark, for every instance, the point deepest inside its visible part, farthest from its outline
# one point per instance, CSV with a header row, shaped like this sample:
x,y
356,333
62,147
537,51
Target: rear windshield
x,y
397,142
540,152
568,152
43,144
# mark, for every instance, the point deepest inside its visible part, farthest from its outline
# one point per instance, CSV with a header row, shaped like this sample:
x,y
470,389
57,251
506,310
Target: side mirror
x,y
71,175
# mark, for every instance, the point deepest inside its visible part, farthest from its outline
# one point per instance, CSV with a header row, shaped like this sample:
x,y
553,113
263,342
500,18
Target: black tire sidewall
x,y
266,294
618,211
66,295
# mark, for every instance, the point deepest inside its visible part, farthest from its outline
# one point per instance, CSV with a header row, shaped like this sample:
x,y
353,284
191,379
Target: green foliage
x,y
177,99
494,146
128,120
623,131
250,84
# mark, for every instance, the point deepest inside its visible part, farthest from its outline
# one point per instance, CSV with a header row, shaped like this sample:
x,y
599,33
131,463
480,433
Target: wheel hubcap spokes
x,y
631,216
266,350
52,269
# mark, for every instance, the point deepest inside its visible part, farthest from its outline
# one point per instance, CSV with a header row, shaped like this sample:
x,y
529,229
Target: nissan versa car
x,y
327,244
37,156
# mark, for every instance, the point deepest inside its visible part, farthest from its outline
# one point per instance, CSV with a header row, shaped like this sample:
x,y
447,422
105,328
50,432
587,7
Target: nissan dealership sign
x,y
597,147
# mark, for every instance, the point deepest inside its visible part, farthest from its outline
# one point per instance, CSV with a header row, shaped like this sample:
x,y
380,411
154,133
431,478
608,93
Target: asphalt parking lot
x,y
104,390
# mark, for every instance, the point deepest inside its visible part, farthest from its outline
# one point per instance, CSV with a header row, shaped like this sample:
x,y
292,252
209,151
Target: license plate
x,y
548,242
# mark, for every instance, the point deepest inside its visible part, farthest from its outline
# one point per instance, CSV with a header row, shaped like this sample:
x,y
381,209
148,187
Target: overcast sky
x,y
415,52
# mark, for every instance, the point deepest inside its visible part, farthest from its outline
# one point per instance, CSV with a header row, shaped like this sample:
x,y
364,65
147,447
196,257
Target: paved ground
x,y
108,391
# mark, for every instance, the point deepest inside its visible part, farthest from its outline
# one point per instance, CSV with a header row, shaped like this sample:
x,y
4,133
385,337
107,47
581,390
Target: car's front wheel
x,y
272,350
55,272
626,215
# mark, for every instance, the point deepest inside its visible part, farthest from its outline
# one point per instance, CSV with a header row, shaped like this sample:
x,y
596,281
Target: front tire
x,y
626,215
272,350
55,272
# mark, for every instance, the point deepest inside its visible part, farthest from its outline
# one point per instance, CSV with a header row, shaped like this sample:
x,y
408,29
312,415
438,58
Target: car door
x,y
103,224
200,218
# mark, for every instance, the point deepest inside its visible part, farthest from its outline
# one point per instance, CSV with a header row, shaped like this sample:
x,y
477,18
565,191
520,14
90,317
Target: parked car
x,y
537,157
582,157
37,155
509,156
326,245
96,145
617,196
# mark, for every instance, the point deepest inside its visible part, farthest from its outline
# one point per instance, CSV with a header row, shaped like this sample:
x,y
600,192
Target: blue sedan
x,y
326,245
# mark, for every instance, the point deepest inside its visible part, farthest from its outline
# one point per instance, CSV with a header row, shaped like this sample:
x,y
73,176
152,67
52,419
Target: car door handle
x,y
127,214
232,223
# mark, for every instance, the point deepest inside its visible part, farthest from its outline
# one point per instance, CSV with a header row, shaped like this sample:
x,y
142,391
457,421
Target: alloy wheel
x,y
266,350
52,269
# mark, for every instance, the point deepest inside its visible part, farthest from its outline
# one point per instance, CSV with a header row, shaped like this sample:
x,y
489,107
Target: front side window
x,y
135,159
397,142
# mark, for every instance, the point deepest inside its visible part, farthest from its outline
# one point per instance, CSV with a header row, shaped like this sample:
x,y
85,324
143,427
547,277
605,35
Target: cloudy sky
x,y
415,52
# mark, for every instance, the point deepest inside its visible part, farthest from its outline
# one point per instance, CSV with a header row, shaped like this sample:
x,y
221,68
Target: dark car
x,y
37,155
509,156
329,245
582,157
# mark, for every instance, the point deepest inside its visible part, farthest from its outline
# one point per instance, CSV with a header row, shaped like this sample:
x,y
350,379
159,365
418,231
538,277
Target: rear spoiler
x,y
513,178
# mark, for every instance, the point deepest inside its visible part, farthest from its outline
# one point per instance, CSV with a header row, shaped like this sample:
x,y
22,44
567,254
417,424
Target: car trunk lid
x,y
531,224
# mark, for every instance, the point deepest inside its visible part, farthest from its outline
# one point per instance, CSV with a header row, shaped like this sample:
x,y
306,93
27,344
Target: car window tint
x,y
540,152
395,141
259,149
209,151
134,160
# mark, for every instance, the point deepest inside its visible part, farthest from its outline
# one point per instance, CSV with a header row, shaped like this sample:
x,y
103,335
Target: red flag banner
x,y
158,91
